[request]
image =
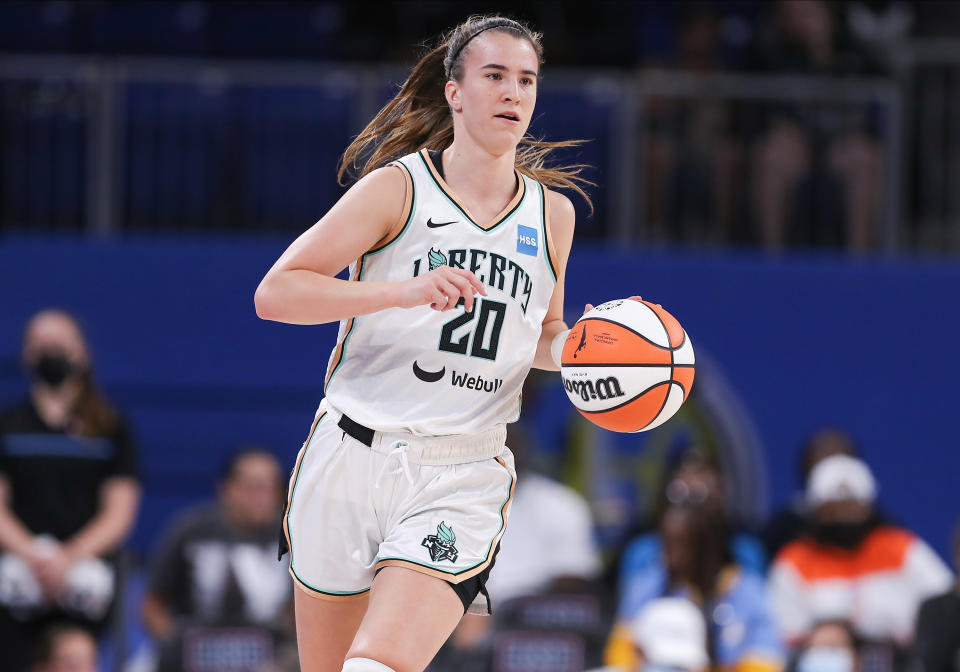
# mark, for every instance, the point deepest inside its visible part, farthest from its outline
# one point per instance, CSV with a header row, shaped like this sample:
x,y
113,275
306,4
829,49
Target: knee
x,y
856,156
783,154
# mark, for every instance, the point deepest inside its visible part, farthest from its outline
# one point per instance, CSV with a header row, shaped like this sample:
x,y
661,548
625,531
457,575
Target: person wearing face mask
x,y
852,566
68,491
830,647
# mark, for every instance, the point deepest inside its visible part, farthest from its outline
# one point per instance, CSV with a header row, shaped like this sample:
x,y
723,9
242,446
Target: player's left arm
x,y
561,224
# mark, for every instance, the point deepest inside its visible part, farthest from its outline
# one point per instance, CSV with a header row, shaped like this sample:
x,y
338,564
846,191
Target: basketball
x,y
627,365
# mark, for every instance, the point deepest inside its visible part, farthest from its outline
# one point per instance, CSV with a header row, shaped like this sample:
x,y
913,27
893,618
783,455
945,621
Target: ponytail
x,y
419,116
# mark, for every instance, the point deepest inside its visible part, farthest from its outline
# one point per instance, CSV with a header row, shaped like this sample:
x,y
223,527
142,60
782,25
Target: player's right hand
x,y
441,289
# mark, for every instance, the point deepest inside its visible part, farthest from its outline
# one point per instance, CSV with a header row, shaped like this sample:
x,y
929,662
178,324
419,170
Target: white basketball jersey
x,y
452,372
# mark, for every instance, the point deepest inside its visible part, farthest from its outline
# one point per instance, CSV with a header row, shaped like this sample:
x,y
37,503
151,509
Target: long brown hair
x,y
419,116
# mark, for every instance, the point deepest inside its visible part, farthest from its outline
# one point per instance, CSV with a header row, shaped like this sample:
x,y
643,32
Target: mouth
x,y
509,116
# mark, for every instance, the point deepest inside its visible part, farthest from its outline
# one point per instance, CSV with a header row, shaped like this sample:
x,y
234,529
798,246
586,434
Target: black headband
x,y
500,23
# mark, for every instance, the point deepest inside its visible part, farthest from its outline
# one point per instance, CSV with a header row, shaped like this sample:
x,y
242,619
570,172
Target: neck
x,y
468,168
55,405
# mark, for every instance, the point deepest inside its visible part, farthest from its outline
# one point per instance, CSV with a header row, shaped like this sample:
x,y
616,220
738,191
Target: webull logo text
x,y
602,388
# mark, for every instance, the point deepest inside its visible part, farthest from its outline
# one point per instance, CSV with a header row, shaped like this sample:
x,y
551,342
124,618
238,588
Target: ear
x,y
451,92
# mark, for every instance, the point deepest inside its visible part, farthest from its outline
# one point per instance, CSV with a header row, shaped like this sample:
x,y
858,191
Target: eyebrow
x,y
497,66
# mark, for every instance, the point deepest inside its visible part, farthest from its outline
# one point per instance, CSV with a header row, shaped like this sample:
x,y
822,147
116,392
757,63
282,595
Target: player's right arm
x,y
301,287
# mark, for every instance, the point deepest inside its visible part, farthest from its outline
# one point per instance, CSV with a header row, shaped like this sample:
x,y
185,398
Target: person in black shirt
x,y
937,647
69,492
216,567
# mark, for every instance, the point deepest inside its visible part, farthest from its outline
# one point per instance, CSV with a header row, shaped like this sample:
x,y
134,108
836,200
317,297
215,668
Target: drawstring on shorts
x,y
402,454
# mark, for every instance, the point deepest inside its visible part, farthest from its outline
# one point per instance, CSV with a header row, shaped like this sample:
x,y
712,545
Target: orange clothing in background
x,y
878,586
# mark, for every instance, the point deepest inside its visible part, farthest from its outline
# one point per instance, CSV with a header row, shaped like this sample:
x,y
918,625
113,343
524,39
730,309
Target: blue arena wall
x,y
804,339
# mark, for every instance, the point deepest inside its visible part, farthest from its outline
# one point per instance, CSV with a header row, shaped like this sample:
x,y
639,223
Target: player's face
x,y
498,90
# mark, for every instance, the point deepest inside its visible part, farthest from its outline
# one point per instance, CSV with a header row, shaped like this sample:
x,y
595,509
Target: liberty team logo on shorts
x,y
441,544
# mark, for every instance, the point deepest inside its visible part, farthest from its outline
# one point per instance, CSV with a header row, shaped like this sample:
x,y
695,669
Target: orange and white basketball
x,y
627,365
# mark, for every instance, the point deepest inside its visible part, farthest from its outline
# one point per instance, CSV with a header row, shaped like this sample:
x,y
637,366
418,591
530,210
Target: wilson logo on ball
x,y
602,388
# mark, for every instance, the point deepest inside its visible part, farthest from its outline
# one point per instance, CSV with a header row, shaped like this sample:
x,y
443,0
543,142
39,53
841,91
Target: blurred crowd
x,y
830,584
728,165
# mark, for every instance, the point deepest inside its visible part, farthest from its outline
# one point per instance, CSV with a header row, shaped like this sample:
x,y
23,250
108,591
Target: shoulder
x,y
749,552
380,198
16,413
938,607
796,553
123,430
387,180
747,583
642,551
560,217
562,213
889,546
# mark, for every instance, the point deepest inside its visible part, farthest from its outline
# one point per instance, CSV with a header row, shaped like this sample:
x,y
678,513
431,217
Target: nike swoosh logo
x,y
433,225
428,376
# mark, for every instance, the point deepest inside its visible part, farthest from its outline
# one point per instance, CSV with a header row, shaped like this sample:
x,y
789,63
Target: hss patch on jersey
x,y
527,242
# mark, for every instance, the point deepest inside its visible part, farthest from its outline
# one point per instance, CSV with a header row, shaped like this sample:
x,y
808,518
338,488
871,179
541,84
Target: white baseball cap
x,y
670,632
838,478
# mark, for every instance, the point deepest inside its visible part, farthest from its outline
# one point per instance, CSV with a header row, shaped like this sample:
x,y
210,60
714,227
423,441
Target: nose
x,y
511,90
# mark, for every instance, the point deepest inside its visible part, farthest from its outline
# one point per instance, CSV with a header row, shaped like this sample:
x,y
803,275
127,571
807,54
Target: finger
x,y
438,299
466,291
637,298
472,279
587,308
451,291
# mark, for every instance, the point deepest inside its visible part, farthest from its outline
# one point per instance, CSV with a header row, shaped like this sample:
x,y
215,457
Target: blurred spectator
x,y
548,521
696,564
851,566
217,565
669,634
937,646
807,152
693,163
66,648
68,491
790,523
692,480
880,25
831,646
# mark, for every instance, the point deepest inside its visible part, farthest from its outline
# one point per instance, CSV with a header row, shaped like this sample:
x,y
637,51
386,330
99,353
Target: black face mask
x,y
53,370
848,536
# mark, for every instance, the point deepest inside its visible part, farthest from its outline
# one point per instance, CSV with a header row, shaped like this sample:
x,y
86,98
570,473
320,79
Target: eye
x,y
526,81
494,75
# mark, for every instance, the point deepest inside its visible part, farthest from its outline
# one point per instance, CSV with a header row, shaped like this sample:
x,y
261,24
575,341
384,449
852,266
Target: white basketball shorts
x,y
360,500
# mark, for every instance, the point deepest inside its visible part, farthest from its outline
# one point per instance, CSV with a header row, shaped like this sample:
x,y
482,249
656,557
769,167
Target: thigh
x,y
450,522
409,617
331,524
325,629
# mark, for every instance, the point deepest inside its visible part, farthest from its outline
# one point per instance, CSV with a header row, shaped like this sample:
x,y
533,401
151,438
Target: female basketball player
x,y
402,490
